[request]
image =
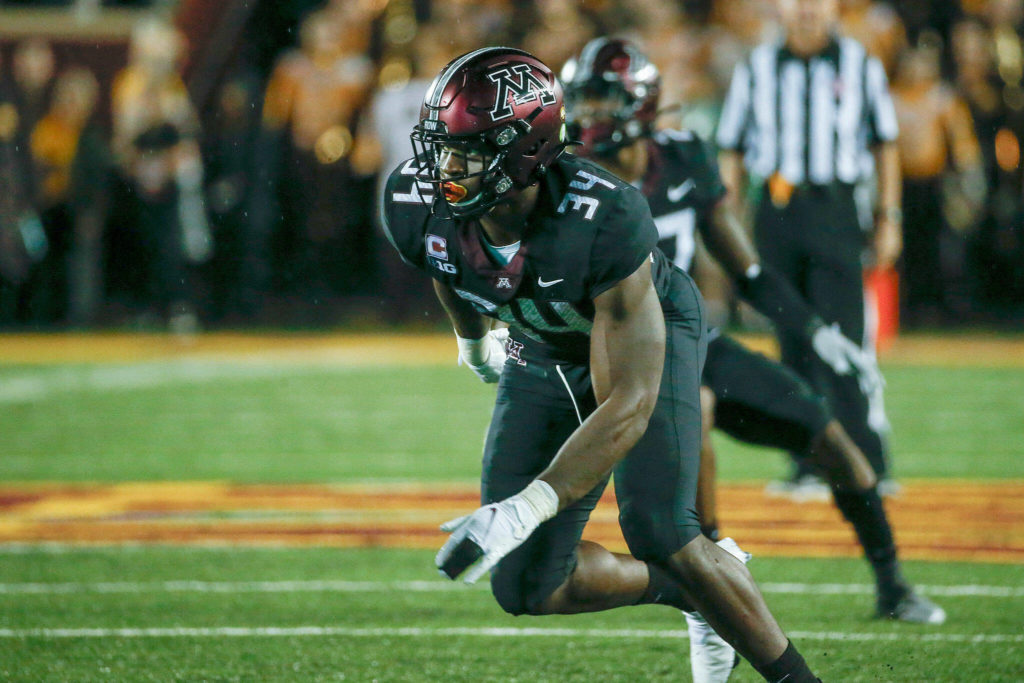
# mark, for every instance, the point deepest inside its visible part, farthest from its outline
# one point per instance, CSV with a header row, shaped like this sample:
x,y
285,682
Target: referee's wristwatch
x,y
893,213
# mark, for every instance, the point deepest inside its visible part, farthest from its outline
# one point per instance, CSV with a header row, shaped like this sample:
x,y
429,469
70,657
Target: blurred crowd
x,y
135,205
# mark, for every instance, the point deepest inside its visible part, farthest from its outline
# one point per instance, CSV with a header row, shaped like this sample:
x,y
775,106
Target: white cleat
x,y
809,488
711,658
914,609
732,547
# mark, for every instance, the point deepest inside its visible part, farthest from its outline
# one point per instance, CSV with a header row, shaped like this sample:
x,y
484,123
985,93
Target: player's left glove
x,y
494,530
484,356
846,358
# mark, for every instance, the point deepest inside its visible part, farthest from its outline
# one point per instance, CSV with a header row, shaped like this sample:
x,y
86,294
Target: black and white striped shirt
x,y
812,120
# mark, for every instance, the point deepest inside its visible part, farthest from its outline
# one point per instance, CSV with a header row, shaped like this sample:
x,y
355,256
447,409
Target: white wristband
x,y
541,498
473,351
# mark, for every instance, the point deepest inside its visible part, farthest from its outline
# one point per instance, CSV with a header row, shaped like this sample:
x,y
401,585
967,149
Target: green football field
x,y
360,615
143,611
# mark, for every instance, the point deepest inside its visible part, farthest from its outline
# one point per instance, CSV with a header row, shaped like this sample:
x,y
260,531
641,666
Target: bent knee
x,y
518,596
652,539
509,599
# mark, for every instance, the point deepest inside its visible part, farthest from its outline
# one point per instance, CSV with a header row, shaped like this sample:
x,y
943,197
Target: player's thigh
x,y
533,416
656,483
760,401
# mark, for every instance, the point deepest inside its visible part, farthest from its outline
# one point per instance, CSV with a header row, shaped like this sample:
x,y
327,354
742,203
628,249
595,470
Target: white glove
x,y
494,530
868,375
484,356
846,358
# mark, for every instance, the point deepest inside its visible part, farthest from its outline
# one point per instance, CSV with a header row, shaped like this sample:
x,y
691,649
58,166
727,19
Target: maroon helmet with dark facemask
x,y
611,93
498,112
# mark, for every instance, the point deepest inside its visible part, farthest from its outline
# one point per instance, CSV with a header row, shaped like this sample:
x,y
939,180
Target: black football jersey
x,y
681,183
589,231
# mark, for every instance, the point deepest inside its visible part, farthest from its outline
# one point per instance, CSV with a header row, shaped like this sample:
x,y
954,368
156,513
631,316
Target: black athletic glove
x,y
772,296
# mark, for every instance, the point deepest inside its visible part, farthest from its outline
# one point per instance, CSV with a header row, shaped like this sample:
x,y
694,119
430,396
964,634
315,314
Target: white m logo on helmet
x,y
520,82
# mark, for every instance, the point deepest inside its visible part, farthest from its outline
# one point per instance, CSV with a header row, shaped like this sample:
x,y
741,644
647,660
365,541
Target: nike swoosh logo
x,y
540,281
679,191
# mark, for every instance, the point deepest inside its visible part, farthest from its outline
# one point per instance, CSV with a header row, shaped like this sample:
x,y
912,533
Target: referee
x,y
808,117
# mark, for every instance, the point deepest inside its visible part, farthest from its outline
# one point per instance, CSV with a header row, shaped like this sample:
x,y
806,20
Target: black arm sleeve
x,y
772,296
709,188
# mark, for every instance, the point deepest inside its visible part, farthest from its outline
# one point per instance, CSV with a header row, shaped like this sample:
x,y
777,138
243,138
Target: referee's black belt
x,y
833,190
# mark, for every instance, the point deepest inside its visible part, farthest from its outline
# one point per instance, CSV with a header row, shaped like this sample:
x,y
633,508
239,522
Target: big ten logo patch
x,y
513,349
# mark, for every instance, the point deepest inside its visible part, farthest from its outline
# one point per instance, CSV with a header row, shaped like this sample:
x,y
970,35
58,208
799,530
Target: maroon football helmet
x,y
498,113
611,93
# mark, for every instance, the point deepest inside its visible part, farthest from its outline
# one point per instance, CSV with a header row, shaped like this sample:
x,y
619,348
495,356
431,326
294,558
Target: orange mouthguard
x,y
454,192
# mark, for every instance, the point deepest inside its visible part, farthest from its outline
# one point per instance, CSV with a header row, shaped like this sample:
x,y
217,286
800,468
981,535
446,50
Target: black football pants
x,y
815,242
760,401
540,404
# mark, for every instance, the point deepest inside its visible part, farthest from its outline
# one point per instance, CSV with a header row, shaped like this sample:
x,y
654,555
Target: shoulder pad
x,y
583,189
403,187
569,166
623,239
406,209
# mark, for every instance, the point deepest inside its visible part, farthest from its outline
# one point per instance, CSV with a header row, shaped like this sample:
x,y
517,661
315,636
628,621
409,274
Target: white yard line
x,y
485,632
231,587
339,586
24,387
869,589
61,548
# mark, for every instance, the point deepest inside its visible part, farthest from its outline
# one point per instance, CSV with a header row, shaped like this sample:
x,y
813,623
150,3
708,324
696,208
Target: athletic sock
x,y
864,510
789,667
662,589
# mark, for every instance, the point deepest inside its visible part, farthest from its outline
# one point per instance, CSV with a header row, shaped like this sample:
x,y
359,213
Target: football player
x,y
601,368
611,93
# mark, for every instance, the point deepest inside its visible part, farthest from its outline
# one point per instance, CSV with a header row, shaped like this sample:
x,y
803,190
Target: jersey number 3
x,y
578,202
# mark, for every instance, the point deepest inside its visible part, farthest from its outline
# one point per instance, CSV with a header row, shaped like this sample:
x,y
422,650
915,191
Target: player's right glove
x,y
869,376
484,356
494,530
846,358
